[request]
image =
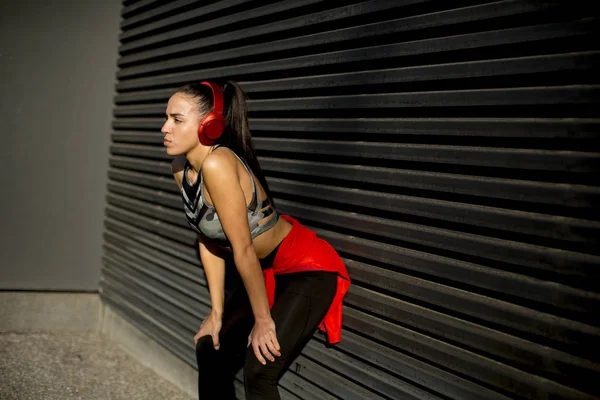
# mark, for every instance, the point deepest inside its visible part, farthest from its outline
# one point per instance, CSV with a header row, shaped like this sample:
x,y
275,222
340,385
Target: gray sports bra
x,y
203,218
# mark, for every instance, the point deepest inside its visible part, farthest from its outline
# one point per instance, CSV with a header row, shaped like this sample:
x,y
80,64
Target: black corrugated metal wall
x,y
444,148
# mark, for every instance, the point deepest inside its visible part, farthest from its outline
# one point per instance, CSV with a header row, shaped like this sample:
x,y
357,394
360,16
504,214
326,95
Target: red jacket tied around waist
x,y
302,251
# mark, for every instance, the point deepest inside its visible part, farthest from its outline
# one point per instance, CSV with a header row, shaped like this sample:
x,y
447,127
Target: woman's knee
x,y
204,348
257,375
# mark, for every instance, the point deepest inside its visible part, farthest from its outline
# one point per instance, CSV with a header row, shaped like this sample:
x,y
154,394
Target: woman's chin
x,y
172,152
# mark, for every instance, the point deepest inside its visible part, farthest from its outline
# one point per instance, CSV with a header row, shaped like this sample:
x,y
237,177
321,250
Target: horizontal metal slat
x,y
553,226
323,377
185,293
461,70
518,283
493,374
131,6
300,387
150,195
397,26
139,123
551,363
137,137
472,335
148,305
414,370
348,11
140,150
364,374
562,194
143,320
148,209
573,128
284,393
470,309
521,158
412,233
484,308
446,268
425,46
558,261
129,34
176,251
571,161
160,169
143,179
146,95
511,189
191,274
572,299
185,236
142,287
182,306
574,94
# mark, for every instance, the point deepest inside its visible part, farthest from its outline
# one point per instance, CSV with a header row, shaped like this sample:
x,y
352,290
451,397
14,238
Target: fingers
x,y
257,353
265,351
202,332
266,347
273,346
215,339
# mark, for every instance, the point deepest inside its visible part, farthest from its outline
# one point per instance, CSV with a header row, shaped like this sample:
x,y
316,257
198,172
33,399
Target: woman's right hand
x,y
210,326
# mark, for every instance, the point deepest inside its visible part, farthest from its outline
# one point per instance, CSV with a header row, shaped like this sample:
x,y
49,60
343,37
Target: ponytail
x,y
237,134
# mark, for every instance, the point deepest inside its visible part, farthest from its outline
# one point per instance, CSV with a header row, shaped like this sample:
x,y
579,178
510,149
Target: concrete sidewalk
x,y
71,365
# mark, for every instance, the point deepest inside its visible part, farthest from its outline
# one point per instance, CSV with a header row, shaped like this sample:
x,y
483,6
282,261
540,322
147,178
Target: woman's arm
x,y
222,183
214,268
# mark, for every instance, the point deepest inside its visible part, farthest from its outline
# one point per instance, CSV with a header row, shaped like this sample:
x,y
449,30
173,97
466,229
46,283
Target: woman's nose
x,y
164,128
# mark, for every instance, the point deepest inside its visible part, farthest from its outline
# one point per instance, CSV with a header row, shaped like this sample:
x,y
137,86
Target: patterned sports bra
x,y
203,218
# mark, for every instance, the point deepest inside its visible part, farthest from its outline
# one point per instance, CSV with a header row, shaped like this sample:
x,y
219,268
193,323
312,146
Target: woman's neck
x,y
197,155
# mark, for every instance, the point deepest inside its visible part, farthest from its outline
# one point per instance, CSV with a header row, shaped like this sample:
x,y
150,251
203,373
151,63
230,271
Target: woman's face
x,y
181,125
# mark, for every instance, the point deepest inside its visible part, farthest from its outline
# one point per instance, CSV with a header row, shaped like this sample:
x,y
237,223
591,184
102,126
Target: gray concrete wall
x,y
57,76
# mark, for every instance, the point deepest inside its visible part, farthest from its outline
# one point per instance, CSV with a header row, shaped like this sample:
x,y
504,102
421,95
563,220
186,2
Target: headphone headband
x,y
217,96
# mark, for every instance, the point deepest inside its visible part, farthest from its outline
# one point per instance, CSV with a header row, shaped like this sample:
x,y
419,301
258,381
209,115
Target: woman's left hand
x,y
264,340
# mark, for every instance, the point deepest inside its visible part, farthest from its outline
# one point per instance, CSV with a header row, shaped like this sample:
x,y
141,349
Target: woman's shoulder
x,y
219,163
220,158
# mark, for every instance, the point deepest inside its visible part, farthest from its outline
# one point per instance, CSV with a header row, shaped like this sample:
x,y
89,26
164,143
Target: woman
x,y
292,280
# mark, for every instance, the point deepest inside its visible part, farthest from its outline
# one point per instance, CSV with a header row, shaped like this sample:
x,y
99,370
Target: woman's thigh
x,y
301,303
237,323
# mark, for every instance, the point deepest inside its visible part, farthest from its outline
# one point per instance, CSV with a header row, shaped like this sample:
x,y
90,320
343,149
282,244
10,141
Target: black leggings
x,y
301,301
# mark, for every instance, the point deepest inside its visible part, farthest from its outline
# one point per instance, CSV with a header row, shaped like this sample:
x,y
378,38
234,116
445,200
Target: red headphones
x,y
212,125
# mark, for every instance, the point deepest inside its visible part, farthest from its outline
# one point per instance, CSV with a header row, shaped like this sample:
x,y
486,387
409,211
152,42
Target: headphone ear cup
x,y
211,128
